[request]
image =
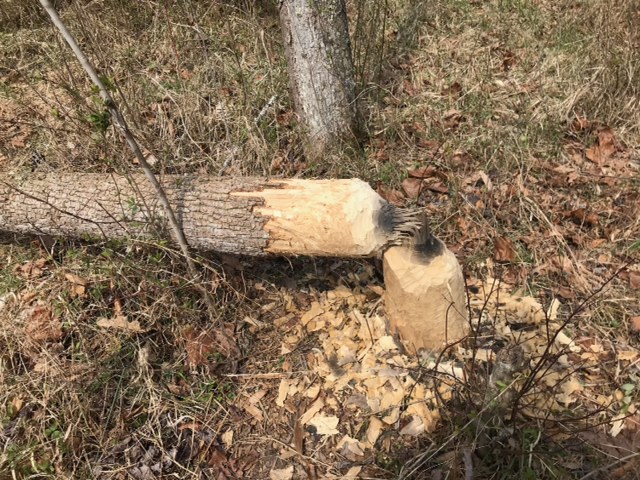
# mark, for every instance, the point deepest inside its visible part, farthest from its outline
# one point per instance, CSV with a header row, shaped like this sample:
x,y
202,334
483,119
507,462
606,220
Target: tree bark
x,y
321,74
425,299
249,216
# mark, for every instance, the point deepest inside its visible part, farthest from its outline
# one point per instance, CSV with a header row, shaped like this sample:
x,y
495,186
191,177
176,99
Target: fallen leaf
x,y
281,474
486,180
79,284
453,118
379,156
632,277
605,147
424,172
412,187
120,322
391,195
19,139
75,279
408,87
460,159
508,60
219,460
564,292
437,186
194,426
226,342
454,90
504,250
42,325
583,217
199,345
31,269
634,322
324,424
580,124
431,145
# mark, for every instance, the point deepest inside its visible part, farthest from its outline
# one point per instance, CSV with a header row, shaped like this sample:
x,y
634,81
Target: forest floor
x,y
514,123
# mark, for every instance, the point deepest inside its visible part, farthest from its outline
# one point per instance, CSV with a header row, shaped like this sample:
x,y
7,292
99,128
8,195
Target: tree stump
x,y
425,299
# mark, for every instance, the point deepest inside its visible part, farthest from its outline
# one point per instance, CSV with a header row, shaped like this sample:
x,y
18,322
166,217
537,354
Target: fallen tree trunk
x,y
247,216
252,216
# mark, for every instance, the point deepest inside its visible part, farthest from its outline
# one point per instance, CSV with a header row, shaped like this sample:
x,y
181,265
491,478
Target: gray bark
x,y
321,74
115,207
249,216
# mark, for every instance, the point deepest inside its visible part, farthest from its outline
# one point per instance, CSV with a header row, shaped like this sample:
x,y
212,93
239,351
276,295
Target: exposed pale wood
x,y
249,216
425,297
323,218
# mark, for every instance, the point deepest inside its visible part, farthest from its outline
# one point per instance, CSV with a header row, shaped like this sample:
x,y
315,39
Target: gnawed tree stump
x,y
425,297
253,216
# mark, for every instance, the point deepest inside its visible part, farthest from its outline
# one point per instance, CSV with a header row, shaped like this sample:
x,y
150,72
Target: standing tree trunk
x,y
321,74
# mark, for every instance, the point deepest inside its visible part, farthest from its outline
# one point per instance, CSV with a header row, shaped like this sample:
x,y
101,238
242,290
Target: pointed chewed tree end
x,y
425,297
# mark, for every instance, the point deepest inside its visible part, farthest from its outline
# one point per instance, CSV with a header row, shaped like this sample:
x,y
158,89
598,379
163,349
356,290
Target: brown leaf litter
x,y
42,325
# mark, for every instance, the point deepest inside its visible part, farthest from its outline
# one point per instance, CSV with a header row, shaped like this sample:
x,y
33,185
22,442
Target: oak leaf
x,y
604,149
632,277
504,250
391,195
412,187
423,172
42,325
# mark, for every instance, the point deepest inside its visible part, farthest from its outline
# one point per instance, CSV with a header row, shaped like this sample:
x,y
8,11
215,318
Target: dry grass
x,y
191,79
464,86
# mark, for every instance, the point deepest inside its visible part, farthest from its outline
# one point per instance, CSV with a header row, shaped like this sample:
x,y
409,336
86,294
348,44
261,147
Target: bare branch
x,y
178,234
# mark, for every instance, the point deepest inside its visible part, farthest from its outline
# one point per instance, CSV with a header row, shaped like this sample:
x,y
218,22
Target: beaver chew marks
x,y
425,297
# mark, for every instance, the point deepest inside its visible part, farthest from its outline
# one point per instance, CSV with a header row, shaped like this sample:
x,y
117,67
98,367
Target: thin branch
x,y
126,132
178,234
